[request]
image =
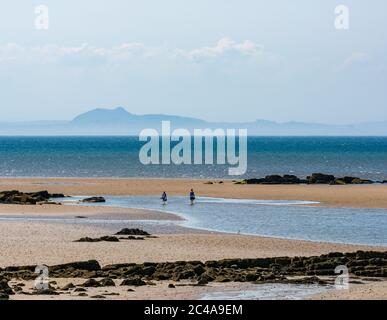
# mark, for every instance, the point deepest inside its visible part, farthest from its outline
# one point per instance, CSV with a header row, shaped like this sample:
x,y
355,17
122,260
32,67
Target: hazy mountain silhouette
x,y
119,121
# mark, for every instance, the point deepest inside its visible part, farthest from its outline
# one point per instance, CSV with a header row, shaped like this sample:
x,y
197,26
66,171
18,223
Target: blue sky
x,y
218,60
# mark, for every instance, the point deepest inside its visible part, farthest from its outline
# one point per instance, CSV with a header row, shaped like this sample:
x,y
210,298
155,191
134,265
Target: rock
x,y
320,178
98,296
307,280
202,281
80,290
91,283
4,296
222,279
94,200
276,179
362,181
133,232
17,289
137,282
171,286
132,238
68,286
112,294
91,265
82,294
104,238
5,288
32,198
352,180
107,283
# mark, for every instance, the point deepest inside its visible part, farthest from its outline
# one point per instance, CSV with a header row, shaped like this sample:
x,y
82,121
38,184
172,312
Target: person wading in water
x,y
164,198
192,197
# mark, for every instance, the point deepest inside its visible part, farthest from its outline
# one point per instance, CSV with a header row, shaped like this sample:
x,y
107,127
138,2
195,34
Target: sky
x,y
219,60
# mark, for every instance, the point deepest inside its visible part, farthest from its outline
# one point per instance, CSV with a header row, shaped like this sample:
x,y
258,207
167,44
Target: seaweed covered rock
x,y
133,232
32,198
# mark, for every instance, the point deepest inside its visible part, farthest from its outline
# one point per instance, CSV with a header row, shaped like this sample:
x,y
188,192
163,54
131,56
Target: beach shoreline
x,y
351,196
50,243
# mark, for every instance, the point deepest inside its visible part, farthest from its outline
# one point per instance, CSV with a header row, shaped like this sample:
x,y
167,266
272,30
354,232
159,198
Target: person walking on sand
x,y
164,198
192,197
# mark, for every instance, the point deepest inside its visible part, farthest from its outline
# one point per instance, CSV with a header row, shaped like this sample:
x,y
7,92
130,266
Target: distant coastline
x,y
118,121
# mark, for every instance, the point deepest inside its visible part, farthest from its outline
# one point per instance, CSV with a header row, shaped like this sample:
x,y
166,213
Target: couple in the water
x,y
192,197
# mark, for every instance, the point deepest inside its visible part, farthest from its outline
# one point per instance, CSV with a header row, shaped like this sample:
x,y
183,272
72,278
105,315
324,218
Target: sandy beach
x,y
38,242
360,196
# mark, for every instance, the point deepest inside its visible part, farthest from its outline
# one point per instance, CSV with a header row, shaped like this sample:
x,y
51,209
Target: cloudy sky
x,y
222,60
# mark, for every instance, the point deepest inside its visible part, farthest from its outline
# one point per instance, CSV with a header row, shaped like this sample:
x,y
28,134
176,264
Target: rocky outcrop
x,y
297,270
320,178
315,178
352,180
94,200
133,232
32,198
104,238
276,179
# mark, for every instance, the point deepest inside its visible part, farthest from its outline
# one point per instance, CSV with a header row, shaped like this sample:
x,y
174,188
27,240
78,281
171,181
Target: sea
x,y
72,156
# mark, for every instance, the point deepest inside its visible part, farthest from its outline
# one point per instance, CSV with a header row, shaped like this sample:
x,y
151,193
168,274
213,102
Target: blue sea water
x,y
301,220
118,157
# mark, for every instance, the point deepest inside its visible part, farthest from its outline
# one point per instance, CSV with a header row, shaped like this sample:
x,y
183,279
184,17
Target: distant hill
x,y
119,121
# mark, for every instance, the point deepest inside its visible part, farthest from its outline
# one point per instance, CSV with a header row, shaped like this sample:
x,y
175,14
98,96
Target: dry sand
x,y
368,291
68,211
366,196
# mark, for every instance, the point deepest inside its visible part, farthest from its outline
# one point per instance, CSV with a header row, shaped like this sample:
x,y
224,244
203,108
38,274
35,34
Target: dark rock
x,y
94,200
132,238
137,282
91,265
352,180
98,296
4,296
133,232
111,267
17,288
276,179
80,290
171,286
222,279
307,280
32,198
320,178
5,288
112,294
202,281
104,238
107,283
91,283
68,286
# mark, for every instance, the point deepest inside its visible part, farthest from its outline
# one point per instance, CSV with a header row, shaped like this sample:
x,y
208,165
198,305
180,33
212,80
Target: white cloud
x,y
87,54
225,48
